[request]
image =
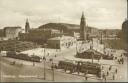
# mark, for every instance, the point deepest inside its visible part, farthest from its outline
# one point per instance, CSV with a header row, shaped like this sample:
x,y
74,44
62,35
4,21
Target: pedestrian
x,y
85,74
115,57
107,73
33,64
119,61
105,78
86,78
98,59
48,54
116,70
110,67
102,67
113,77
122,61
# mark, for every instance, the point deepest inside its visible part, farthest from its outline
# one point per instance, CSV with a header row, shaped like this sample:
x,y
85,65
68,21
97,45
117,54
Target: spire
x,y
82,15
27,20
27,27
83,27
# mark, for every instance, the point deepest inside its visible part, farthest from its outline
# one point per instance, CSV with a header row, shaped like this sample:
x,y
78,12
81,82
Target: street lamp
x,y
92,56
76,48
44,59
44,67
52,67
101,41
33,59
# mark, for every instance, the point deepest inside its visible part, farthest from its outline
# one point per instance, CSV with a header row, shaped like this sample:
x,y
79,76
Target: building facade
x,y
36,35
61,42
12,32
125,28
125,31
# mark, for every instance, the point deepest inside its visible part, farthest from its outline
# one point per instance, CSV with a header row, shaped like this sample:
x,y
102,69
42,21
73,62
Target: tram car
x,y
67,65
95,55
88,55
107,57
80,67
23,57
90,68
13,54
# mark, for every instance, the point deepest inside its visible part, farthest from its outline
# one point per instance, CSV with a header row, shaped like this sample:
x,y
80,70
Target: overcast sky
x,y
99,13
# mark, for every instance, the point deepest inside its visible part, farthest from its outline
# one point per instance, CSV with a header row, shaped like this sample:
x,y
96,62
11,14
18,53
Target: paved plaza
x,y
66,54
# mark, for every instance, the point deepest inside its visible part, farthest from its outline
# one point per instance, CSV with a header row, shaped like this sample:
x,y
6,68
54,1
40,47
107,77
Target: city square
x,y
78,50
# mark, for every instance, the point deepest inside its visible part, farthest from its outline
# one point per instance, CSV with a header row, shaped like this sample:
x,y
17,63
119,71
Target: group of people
x,y
108,72
121,61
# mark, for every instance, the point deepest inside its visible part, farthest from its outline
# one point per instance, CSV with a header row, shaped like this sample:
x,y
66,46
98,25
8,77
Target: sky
x,y
103,14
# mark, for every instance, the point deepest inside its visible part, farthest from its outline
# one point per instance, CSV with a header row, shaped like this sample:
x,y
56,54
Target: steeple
x,y
125,28
27,27
27,20
82,15
83,27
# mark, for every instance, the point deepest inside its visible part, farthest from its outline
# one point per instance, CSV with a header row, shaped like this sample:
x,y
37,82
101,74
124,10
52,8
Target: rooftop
x,y
59,38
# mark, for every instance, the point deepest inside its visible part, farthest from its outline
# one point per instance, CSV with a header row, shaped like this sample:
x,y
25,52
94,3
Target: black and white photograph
x,y
63,40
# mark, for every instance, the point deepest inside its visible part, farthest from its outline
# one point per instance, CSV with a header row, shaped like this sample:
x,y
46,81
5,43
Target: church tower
x,y
27,27
83,28
125,28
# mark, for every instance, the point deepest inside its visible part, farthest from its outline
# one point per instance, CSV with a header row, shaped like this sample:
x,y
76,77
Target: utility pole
x,y
92,56
33,59
53,71
76,48
44,59
52,67
101,38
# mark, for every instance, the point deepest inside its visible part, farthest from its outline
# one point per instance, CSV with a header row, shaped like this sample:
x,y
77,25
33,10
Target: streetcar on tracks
x,y
33,58
80,67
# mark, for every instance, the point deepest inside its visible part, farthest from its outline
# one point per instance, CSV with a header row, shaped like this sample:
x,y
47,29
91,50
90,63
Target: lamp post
x,y
44,67
44,59
76,48
52,67
92,56
101,41
33,59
